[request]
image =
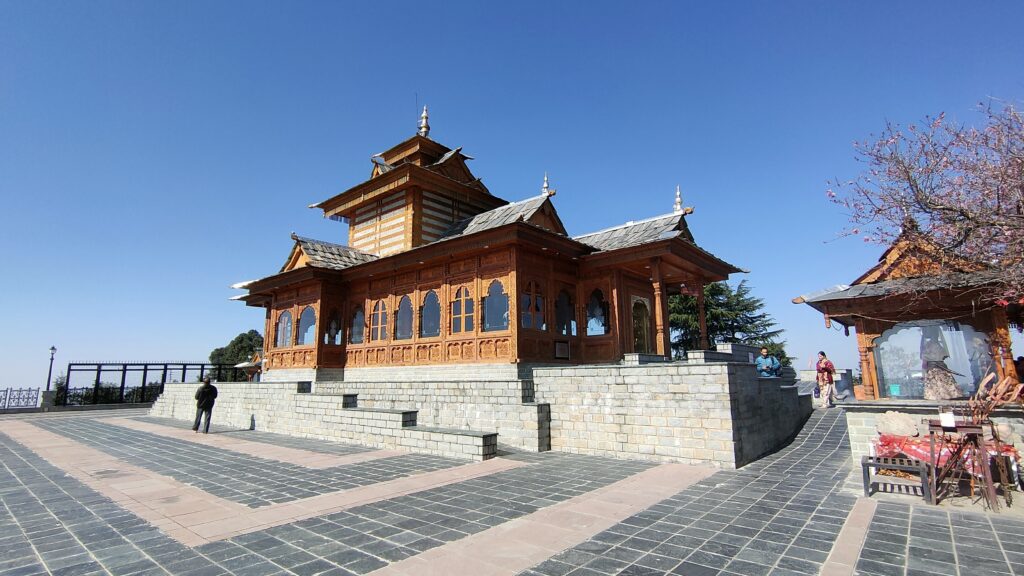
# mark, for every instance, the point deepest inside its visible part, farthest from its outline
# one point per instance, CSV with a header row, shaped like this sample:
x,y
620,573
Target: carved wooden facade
x,y
439,271
908,285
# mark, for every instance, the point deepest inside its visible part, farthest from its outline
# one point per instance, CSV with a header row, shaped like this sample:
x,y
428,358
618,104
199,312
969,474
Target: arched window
x,y
641,327
495,307
355,333
565,315
532,309
379,321
333,334
430,316
597,314
403,319
284,330
462,311
307,327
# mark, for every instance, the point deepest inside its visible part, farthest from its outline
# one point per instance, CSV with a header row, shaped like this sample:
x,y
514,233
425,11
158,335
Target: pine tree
x,y
732,316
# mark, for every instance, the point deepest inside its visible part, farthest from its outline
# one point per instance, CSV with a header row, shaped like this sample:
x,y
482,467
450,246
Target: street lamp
x,y
53,350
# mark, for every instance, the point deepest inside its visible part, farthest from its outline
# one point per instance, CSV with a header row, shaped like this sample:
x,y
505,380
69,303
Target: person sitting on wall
x,y
767,366
206,395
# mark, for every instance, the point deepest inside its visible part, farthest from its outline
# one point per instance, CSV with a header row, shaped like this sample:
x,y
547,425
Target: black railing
x,y
134,382
12,398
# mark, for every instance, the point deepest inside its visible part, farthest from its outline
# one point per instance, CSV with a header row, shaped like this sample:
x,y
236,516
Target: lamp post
x,y
53,350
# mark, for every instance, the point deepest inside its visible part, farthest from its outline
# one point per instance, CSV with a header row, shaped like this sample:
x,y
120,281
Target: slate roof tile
x,y
635,233
332,256
500,216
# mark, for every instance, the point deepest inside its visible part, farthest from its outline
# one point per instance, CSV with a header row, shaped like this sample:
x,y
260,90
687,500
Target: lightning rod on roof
x,y
424,128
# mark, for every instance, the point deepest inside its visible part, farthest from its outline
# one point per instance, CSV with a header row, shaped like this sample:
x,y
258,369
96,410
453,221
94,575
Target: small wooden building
x,y
924,330
437,270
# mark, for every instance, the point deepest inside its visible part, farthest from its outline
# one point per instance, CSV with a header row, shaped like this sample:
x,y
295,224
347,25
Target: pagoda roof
x,y
631,234
905,285
521,211
328,255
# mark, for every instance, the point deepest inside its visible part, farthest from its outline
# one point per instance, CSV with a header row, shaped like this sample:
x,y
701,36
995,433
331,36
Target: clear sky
x,y
153,153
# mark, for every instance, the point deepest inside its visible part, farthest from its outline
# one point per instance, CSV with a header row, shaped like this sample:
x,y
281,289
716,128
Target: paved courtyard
x,y
118,492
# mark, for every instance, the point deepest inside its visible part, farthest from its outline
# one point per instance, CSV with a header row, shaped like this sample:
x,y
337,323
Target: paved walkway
x,y
106,493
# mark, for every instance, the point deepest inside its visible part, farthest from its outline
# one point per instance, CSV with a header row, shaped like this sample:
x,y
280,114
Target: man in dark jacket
x,y
205,397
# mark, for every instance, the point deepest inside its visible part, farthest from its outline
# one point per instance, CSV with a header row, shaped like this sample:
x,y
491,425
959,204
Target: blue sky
x,y
153,153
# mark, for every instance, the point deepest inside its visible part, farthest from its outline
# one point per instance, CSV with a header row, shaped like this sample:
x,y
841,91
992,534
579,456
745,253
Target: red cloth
x,y
889,445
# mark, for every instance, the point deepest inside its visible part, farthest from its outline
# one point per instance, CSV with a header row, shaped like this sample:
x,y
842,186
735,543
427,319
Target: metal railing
x,y
134,382
13,398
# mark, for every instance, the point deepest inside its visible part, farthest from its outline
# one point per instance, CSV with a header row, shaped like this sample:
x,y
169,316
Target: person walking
x,y
206,395
826,384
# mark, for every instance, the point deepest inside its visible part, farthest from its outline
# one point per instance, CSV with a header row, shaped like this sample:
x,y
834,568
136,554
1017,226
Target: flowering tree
x,y
962,186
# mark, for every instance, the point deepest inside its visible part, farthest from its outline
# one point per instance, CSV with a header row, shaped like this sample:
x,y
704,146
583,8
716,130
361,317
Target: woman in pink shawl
x,y
825,383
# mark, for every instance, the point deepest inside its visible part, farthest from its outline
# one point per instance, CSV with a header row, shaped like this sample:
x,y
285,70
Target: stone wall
x,y
714,412
276,407
479,397
710,409
861,420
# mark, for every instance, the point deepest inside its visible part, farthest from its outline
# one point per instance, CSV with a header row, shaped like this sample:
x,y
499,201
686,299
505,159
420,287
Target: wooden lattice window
x,y
531,310
307,327
356,331
284,330
565,315
379,321
403,319
597,314
430,316
495,307
333,333
462,311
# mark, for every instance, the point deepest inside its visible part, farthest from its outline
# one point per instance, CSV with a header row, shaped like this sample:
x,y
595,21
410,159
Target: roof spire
x,y
546,190
678,206
424,125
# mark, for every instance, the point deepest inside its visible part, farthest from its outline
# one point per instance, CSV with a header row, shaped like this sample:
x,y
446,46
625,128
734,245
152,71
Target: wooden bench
x,y
902,464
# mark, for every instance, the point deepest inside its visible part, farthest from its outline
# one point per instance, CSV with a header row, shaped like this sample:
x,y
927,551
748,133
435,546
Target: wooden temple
x,y
438,270
924,322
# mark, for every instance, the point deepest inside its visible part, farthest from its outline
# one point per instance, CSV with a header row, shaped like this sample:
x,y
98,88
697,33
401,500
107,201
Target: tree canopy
x,y
961,188
238,350
732,316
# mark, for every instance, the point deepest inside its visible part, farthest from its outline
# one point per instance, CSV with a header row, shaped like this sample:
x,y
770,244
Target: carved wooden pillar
x,y
1001,342
705,344
866,348
661,339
